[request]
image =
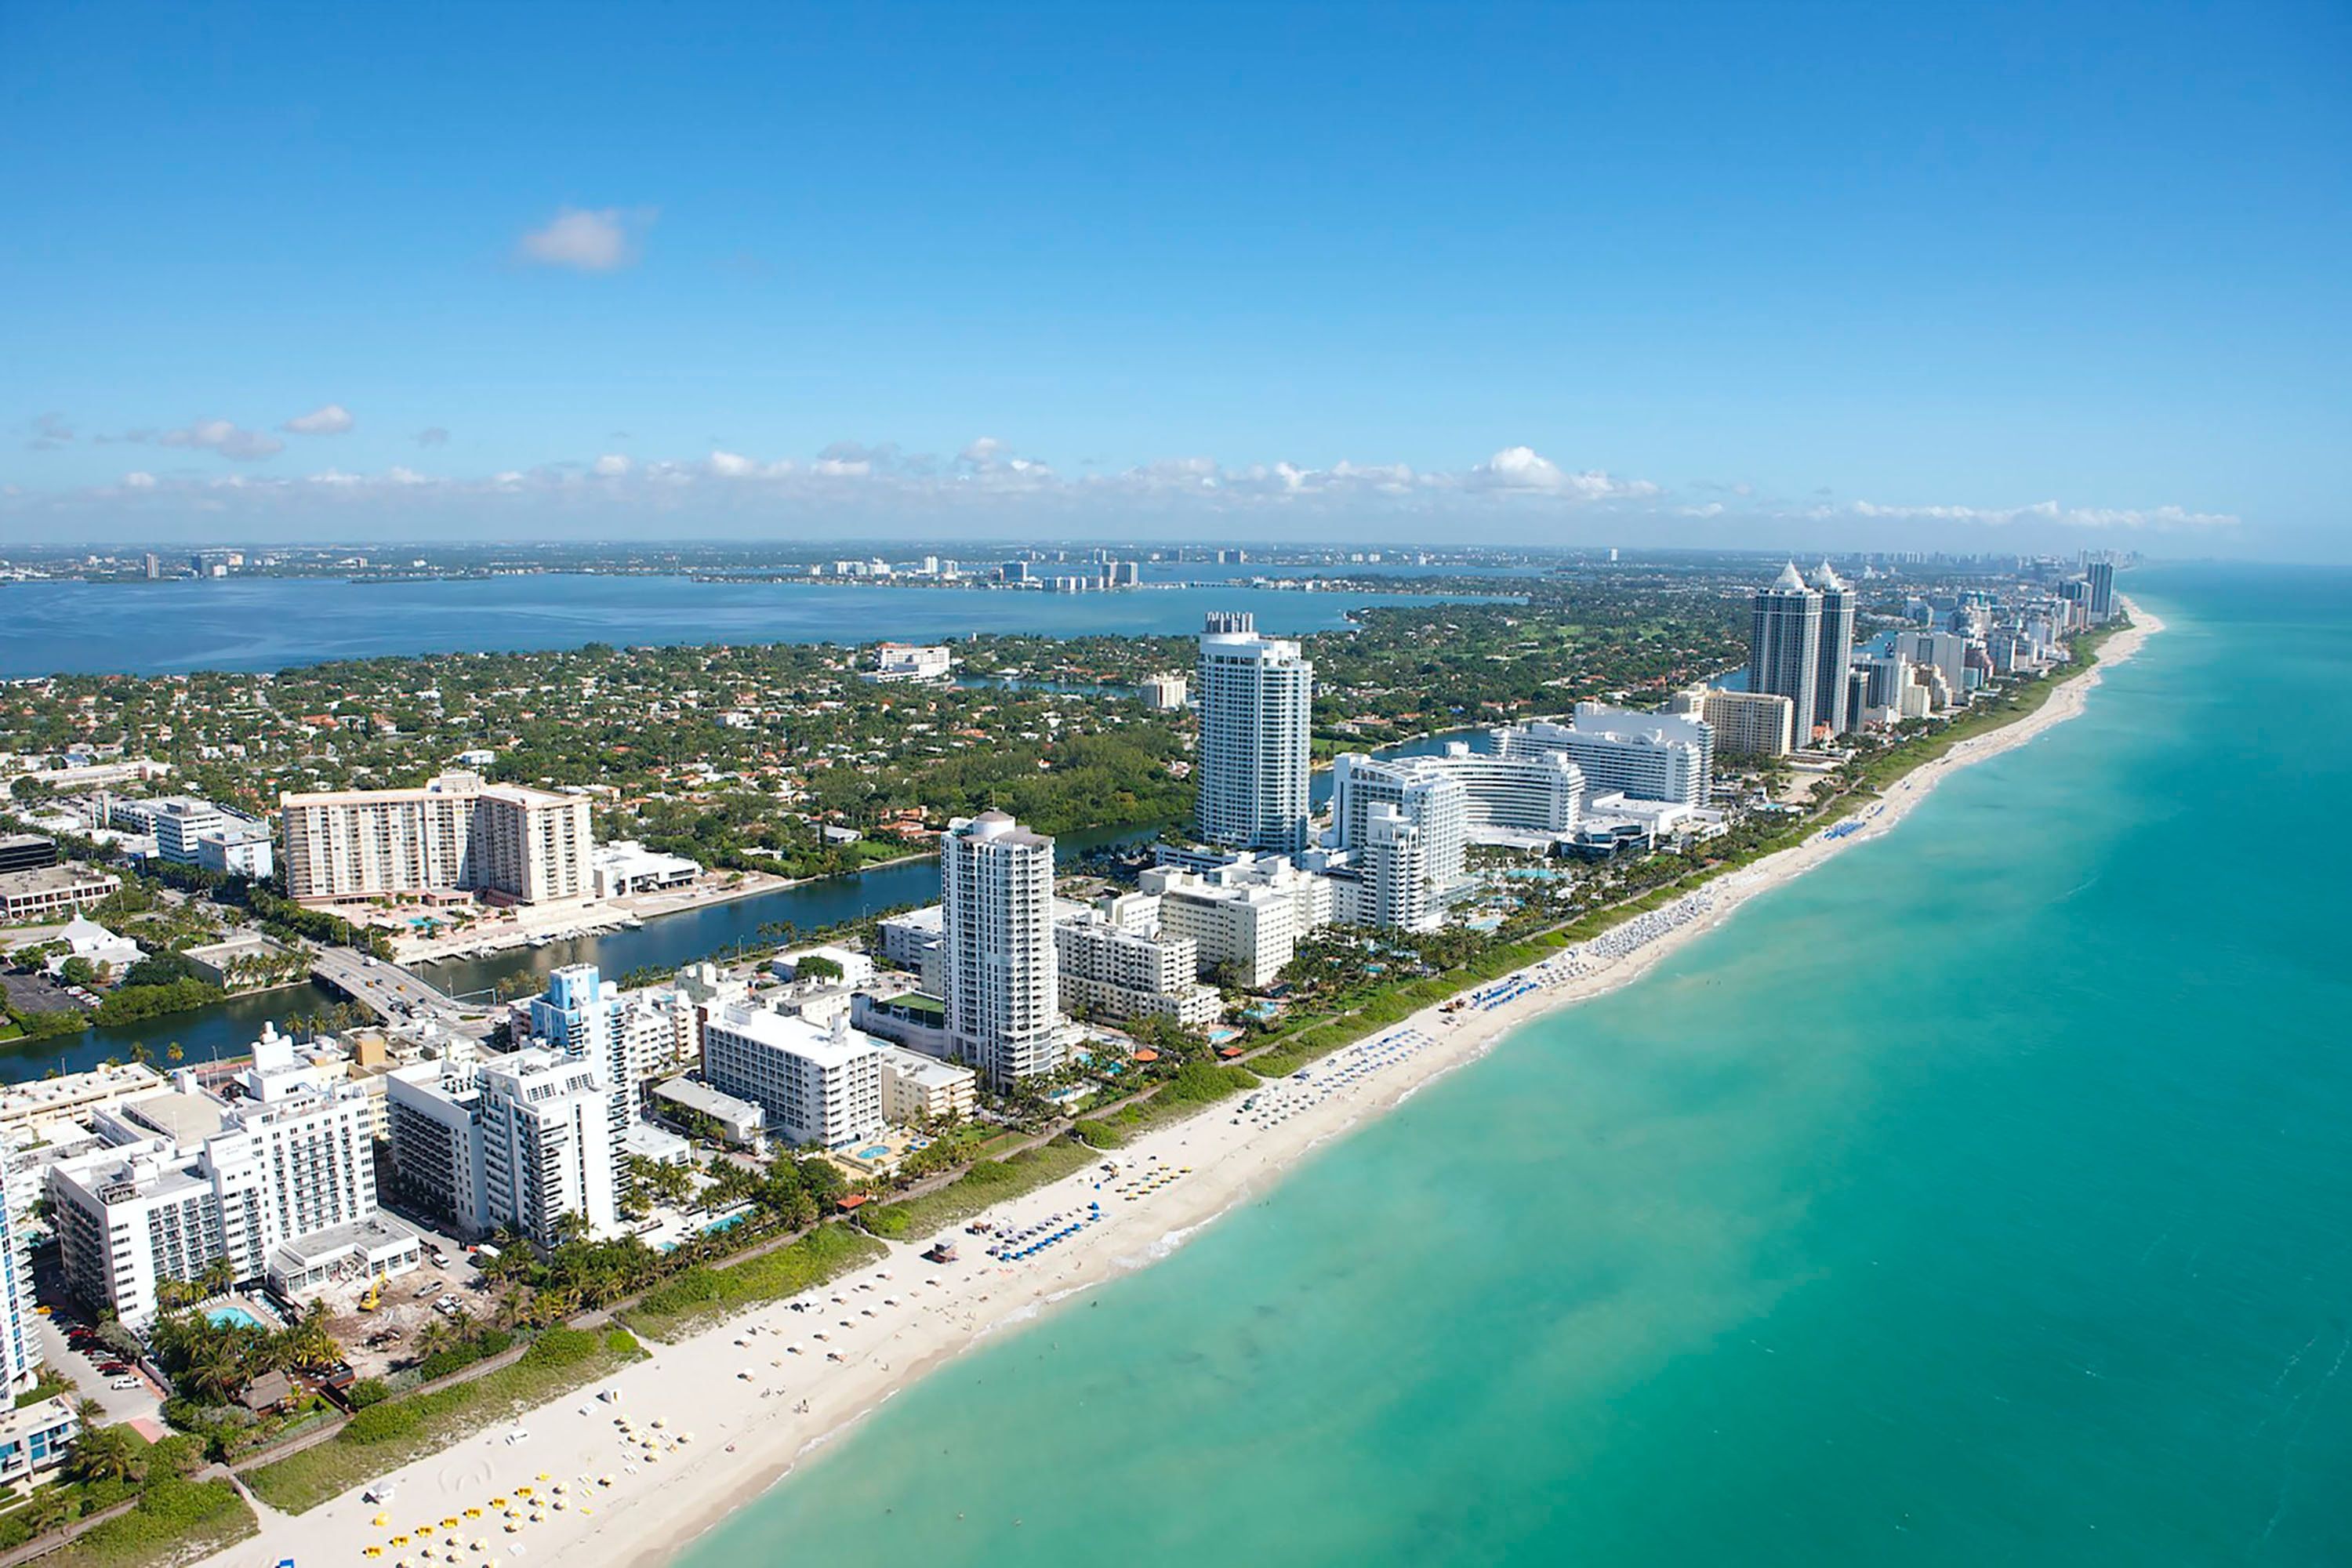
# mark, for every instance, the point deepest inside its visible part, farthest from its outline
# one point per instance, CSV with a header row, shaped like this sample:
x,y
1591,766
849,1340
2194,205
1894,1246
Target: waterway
x,y
272,623
670,941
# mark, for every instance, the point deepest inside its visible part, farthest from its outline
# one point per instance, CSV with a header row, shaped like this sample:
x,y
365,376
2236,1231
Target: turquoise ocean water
x,y
1983,1198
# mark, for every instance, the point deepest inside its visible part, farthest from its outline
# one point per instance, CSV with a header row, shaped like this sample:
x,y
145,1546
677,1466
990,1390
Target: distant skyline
x,y
1852,278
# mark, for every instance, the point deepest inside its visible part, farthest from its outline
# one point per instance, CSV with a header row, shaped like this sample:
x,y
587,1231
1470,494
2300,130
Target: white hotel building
x,y
1647,756
996,948
1117,972
1256,701
516,1142
821,1084
1250,914
191,1177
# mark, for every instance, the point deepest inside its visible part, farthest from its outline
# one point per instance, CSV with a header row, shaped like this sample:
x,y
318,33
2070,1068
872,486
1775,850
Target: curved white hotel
x,y
1647,756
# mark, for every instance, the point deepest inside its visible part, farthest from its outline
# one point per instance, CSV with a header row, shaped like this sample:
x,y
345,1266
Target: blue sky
x,y
2046,274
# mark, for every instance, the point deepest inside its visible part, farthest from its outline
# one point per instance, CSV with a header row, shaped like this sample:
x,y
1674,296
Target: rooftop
x,y
47,878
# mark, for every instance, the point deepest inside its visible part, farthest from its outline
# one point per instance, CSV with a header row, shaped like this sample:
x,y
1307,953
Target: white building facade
x,y
997,964
820,1085
1257,702
1650,756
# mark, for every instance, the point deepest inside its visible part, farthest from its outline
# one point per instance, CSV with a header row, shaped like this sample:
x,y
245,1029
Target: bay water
x,y
1983,1196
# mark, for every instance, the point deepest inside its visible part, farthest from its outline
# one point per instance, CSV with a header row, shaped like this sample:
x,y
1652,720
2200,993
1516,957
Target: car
x,y
125,1383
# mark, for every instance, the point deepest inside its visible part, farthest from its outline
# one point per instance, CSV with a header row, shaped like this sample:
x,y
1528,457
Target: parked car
x,y
124,1382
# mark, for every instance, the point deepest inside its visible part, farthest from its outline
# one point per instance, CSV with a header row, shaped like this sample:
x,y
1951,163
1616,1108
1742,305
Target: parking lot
x,y
119,1404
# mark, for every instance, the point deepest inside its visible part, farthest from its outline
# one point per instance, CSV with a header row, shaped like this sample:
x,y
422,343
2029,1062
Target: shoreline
x,y
760,1392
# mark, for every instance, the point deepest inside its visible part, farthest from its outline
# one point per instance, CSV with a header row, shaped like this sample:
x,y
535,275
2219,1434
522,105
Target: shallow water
x,y
1979,1197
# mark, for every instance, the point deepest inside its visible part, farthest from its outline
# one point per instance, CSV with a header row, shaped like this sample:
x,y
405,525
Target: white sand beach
x,y
715,1419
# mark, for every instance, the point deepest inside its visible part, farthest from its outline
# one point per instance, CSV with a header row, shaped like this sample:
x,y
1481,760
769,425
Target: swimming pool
x,y
879,1151
233,1317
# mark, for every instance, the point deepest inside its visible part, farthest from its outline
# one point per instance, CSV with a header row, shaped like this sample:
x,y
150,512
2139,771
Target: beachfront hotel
x,y
996,948
1247,916
455,834
189,1177
518,1141
1746,723
1117,964
1645,756
1256,701
821,1085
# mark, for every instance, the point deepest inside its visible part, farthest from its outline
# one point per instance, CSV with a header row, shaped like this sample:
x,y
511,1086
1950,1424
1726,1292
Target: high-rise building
x,y
1645,756
191,1177
820,1084
1784,647
1749,724
528,846
1423,793
518,1141
1256,701
996,892
1946,653
20,1343
2102,578
1838,605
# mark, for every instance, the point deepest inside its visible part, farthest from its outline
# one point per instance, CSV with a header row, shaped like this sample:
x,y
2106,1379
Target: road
x,y
385,989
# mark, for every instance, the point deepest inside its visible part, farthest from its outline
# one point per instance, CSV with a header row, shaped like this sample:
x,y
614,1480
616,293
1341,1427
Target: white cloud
x,y
327,419
1522,471
432,435
598,240
984,486
221,435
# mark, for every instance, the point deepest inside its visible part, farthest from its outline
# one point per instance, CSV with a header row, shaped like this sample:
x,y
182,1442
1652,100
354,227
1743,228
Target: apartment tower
x,y
996,894
1257,703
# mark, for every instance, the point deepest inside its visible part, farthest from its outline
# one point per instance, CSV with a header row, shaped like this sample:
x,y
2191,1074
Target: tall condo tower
x,y
20,1346
996,888
1829,706
1257,701
1784,647
2102,578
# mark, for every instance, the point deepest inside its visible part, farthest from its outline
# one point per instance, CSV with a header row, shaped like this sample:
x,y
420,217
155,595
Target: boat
x,y
540,940
631,922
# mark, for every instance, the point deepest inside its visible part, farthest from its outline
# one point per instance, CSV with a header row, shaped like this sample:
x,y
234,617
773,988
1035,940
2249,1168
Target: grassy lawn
x,y
175,1521
383,1437
700,1296
987,1184
1190,1091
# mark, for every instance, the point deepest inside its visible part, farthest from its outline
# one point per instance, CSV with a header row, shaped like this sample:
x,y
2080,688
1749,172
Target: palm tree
x,y
108,1454
174,1053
